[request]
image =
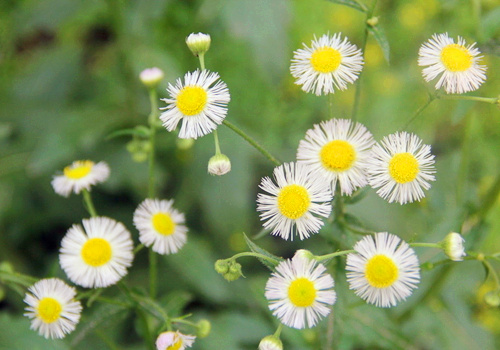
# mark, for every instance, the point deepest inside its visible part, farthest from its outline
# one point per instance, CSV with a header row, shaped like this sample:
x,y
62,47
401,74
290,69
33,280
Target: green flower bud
x,y
453,246
222,266
151,77
198,43
304,253
204,328
492,298
219,165
234,272
270,343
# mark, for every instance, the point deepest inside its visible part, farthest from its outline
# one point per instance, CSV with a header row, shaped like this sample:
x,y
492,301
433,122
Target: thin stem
x,y
463,168
18,278
138,248
88,203
491,100
181,320
153,116
428,245
217,145
356,229
278,331
419,111
201,57
333,255
153,267
252,142
492,272
256,255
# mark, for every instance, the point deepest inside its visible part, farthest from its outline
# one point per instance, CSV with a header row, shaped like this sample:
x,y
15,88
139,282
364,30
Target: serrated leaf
x,y
351,3
256,249
379,35
140,131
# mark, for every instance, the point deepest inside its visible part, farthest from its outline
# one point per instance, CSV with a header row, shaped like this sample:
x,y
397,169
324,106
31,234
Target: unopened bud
x,y
219,165
222,266
304,254
372,22
270,343
151,77
453,246
198,43
492,298
204,328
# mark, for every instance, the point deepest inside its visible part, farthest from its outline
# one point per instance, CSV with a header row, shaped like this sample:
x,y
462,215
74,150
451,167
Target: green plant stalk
x,y
252,142
418,112
492,100
153,272
201,57
88,203
256,255
428,245
217,145
278,331
320,258
17,278
464,160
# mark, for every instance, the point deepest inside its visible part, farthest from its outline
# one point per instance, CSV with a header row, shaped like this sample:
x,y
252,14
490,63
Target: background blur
x,y
69,77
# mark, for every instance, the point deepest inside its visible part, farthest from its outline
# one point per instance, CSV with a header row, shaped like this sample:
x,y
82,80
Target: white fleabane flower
x,y
330,63
294,204
98,254
338,149
79,175
384,270
300,292
160,226
52,308
198,43
453,246
400,167
200,102
456,64
174,341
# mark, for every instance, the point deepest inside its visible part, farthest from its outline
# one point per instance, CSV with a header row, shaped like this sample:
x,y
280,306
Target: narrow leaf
x,y
379,35
256,249
351,3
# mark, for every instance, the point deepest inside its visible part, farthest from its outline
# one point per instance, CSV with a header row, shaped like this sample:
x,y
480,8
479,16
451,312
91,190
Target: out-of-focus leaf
x,y
175,302
351,3
256,249
490,24
140,131
379,35
356,196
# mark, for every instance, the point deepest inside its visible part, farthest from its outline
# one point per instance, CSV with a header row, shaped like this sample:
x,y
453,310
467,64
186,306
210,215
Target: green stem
x,y
419,111
256,255
153,117
467,142
88,203
217,145
153,263
278,331
201,57
252,142
333,255
181,320
356,229
492,100
492,272
138,248
17,278
428,245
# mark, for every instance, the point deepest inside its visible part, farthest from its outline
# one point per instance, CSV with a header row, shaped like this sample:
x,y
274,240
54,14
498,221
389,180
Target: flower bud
x,y
219,165
270,343
184,144
151,77
492,298
453,246
204,328
222,266
305,254
198,43
234,272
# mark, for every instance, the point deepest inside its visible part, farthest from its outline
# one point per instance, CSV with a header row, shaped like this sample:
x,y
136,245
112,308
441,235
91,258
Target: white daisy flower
x,y
160,226
52,308
400,167
81,174
338,149
300,292
98,254
174,341
456,64
330,63
384,270
293,204
200,102
453,246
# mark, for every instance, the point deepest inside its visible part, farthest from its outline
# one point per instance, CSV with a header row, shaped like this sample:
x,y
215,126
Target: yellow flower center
x,y
191,100
96,252
163,224
293,201
403,167
78,169
302,292
456,58
176,346
337,155
49,310
381,271
326,59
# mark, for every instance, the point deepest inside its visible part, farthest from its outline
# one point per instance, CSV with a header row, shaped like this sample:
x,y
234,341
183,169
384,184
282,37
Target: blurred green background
x,y
69,77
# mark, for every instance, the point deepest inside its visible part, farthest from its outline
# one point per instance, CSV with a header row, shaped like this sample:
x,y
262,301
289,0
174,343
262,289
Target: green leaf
x,y
356,196
256,249
351,3
379,35
140,131
490,25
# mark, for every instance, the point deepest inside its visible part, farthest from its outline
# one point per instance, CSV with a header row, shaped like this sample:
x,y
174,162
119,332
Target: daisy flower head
x,y
174,341
52,308
453,246
160,226
400,167
295,202
200,102
384,270
338,149
300,292
79,175
330,63
456,64
98,254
